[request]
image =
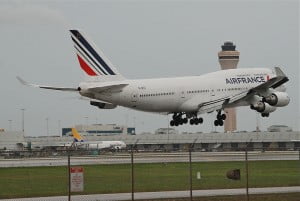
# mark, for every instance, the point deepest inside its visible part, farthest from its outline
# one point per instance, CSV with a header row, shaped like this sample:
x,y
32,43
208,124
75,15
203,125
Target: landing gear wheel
x,y
223,116
192,121
265,114
180,121
200,120
216,122
172,123
174,116
220,122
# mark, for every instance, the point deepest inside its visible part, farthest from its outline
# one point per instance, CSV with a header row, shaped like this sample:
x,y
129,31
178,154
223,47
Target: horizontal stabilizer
x,y
45,87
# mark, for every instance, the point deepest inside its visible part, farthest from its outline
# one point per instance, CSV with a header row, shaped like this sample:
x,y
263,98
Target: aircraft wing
x,y
218,104
107,87
45,87
274,82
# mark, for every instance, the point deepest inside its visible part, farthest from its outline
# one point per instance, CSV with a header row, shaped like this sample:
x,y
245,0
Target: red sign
x,y
76,169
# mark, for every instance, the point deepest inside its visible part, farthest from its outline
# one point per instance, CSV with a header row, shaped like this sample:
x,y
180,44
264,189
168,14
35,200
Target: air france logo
x,y
246,80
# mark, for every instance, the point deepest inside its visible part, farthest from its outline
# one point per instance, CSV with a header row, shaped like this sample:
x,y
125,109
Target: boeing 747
x,y
186,98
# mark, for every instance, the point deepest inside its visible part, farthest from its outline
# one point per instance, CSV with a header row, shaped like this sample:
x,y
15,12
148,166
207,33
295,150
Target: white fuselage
x,y
101,145
185,94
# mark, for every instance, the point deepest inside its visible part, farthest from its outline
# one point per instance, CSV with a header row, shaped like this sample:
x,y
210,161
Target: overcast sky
x,y
143,39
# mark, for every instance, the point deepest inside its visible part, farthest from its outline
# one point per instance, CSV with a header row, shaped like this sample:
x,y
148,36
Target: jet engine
x,y
277,99
101,105
263,107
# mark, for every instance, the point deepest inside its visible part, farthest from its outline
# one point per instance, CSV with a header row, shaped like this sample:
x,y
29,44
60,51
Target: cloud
x,y
27,14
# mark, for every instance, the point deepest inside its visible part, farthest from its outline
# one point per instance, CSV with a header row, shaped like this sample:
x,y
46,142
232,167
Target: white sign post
x,y
77,179
198,175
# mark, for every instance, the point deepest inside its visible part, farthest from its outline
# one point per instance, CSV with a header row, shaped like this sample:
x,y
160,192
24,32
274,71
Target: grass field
x,y
45,181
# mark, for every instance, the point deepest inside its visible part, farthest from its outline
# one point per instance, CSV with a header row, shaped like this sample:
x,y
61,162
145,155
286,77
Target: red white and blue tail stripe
x,y
91,60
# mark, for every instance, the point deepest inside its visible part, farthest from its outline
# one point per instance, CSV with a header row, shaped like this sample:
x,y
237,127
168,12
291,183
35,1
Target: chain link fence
x,y
188,173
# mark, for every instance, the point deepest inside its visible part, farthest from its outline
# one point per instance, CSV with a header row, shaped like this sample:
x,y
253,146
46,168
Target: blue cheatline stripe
x,y
86,60
85,53
92,51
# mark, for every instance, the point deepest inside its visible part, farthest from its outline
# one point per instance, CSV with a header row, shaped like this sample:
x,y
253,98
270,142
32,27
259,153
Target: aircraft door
x,y
212,92
134,97
182,94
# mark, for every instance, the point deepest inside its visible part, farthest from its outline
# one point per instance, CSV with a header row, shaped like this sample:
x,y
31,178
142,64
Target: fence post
x,y
246,164
69,177
191,173
299,153
132,175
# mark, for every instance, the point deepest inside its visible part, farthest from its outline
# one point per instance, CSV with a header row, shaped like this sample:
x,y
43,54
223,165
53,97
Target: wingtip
x,y
21,80
279,72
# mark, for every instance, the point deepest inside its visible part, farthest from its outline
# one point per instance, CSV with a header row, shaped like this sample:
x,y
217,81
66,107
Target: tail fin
x,y
92,60
76,135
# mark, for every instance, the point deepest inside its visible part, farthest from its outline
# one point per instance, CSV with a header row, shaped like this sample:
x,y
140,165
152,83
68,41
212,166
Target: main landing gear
x,y
196,121
220,119
178,119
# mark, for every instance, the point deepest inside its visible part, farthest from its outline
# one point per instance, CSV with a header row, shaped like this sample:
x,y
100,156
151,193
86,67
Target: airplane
x,y
186,98
96,145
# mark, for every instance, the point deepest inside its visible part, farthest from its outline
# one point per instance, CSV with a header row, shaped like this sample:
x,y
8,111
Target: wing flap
x,y
212,105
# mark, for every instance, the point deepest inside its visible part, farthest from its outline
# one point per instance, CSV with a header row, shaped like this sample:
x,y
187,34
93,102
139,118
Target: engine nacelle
x,y
278,99
101,105
263,107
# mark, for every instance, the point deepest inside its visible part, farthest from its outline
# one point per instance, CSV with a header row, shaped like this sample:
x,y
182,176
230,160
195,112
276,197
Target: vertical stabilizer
x,y
92,61
77,137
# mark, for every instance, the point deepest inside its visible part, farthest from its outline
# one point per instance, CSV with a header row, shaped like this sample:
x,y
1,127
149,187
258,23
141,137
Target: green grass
x,y
45,181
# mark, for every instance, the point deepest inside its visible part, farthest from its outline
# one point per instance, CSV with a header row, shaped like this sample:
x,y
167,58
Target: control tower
x,y
228,59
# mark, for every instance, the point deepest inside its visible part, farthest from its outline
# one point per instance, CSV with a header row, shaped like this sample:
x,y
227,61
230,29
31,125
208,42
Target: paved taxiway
x,y
121,158
167,194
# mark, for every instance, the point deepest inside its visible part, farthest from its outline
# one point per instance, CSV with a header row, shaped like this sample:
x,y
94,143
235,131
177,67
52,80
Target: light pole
x,y
47,126
86,123
59,128
10,125
23,120
86,120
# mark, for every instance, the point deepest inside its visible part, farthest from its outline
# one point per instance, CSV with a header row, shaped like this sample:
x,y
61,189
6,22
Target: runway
x,y
167,194
124,158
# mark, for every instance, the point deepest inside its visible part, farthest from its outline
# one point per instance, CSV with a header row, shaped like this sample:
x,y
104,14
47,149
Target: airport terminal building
x,y
173,141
